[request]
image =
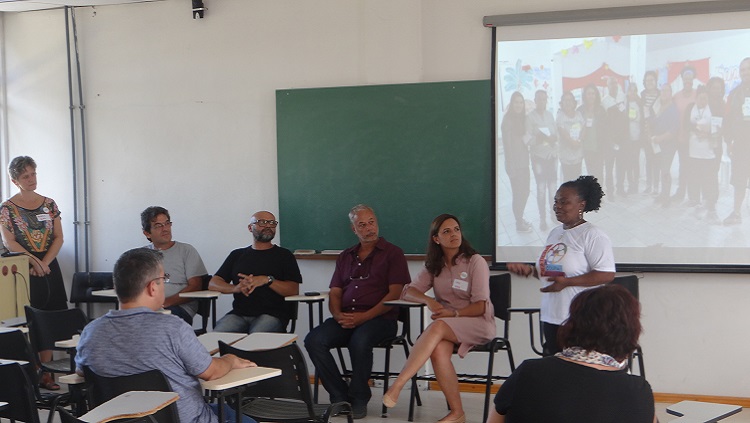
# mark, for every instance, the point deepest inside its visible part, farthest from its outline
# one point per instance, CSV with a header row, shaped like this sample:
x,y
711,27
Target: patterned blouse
x,y
33,229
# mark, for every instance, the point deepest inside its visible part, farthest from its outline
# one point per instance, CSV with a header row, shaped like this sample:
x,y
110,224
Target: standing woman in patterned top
x,y
30,224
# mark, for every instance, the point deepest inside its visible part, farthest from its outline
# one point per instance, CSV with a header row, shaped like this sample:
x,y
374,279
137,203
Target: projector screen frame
x,y
600,14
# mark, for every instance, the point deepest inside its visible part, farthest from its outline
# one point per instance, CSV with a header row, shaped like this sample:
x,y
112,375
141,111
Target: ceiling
x,y
27,5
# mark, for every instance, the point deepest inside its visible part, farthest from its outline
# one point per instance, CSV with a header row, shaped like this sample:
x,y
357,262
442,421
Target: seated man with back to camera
x,y
367,275
137,338
182,262
259,276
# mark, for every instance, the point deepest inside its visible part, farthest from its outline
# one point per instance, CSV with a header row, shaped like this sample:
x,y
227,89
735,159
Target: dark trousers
x,y
551,346
519,186
360,342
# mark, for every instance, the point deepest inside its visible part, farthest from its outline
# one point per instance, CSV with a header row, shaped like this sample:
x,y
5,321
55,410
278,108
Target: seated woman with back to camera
x,y
587,381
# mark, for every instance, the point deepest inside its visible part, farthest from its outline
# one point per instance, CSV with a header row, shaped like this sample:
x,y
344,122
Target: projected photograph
x,y
661,120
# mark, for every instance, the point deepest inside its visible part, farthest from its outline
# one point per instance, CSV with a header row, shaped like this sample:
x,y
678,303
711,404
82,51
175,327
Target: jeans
x,y
360,342
230,414
249,324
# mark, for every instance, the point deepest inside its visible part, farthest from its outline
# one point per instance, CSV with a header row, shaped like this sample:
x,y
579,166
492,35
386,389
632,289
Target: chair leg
x,y
386,379
414,379
413,395
316,381
488,385
511,363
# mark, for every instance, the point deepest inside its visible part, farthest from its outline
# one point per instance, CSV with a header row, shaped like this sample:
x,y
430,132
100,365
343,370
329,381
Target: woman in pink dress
x,y
462,313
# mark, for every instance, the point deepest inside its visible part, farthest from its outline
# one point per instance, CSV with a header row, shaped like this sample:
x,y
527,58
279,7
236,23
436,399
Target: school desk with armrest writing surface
x,y
232,384
130,405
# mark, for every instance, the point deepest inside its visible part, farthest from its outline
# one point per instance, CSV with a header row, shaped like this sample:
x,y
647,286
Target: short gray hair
x,y
133,272
18,165
359,208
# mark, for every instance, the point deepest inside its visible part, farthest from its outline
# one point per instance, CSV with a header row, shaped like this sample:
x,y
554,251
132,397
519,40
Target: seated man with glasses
x,y
136,339
367,275
259,276
181,261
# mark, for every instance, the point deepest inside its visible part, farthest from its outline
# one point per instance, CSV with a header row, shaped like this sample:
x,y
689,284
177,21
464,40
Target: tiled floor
x,y
434,408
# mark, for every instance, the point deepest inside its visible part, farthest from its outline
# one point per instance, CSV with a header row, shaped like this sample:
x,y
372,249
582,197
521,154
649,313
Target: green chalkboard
x,y
410,151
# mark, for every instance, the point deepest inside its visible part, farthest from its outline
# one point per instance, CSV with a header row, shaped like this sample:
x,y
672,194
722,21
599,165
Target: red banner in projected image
x,y
598,77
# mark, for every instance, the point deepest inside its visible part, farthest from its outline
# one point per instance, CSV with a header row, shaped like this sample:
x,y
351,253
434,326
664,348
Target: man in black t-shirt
x,y
259,276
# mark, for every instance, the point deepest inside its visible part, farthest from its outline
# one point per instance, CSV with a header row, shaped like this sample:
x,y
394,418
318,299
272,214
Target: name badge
x,y
43,217
460,285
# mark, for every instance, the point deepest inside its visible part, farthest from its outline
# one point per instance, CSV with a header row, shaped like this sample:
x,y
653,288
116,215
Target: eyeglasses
x,y
165,277
264,222
167,224
359,278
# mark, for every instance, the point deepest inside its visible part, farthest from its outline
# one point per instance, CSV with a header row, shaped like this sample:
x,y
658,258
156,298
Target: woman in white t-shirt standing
x,y
577,256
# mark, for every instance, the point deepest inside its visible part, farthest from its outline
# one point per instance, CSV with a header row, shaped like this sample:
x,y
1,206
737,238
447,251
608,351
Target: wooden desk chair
x,y
15,346
500,295
286,398
16,389
86,282
49,326
101,389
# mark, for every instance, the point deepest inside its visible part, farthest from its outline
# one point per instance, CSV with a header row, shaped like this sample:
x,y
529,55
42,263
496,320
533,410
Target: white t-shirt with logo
x,y
574,252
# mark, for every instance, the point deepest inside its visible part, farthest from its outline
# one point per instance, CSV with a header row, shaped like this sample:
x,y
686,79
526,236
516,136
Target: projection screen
x,y
670,154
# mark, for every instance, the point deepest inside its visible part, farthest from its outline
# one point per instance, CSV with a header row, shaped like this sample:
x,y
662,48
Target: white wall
x,y
181,113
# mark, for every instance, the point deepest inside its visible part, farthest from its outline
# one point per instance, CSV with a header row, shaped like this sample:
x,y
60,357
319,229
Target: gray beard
x,y
264,237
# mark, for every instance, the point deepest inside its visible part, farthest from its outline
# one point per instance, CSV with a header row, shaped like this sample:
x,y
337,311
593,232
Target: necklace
x,y
579,222
591,357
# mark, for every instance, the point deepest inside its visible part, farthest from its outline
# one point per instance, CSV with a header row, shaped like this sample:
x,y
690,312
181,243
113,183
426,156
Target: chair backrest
x,y
16,390
204,307
101,389
500,295
15,346
294,382
292,308
630,282
49,326
86,282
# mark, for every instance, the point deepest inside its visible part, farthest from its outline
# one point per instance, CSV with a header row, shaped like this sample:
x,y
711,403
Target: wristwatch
x,y
270,280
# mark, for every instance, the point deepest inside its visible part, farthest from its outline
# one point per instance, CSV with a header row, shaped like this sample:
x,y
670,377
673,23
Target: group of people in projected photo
x,y
635,137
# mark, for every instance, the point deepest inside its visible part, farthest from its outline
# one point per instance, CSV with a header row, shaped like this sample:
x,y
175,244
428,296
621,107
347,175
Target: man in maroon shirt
x,y
367,275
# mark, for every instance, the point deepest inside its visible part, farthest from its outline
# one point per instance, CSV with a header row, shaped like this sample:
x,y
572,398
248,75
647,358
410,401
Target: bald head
x,y
263,226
